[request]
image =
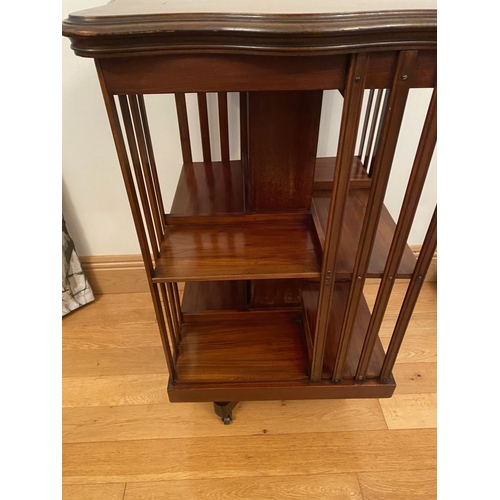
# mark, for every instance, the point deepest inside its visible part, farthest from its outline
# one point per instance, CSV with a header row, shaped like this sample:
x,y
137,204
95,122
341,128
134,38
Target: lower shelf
x,y
253,346
310,300
230,352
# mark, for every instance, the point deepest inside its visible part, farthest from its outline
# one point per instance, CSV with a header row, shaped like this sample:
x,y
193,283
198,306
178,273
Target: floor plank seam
x,y
268,435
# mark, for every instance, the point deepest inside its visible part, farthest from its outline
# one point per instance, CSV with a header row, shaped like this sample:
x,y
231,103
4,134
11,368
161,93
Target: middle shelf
x,y
210,235
239,251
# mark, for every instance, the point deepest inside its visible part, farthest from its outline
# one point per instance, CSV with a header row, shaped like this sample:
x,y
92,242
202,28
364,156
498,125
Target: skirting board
x,y
125,273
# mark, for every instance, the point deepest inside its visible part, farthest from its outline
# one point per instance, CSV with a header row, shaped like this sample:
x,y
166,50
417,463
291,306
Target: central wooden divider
x,y
283,130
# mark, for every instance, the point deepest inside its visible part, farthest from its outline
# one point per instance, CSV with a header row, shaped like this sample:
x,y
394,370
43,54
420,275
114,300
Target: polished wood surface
x,y
389,131
351,111
283,130
214,296
353,219
125,28
241,251
341,292
244,349
118,410
209,189
215,72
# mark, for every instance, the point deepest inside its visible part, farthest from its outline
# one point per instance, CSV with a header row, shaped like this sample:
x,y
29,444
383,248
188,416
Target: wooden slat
x,y
173,313
244,124
369,167
408,209
223,127
423,263
162,327
149,223
365,123
139,180
173,327
182,117
177,301
373,124
204,127
244,145
152,191
347,142
244,456
134,203
152,161
391,125
126,171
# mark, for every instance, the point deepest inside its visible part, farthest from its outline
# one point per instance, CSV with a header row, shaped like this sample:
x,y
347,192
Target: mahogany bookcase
x,y
273,248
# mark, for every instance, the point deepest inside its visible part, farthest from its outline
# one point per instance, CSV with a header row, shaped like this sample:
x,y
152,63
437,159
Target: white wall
x,y
94,200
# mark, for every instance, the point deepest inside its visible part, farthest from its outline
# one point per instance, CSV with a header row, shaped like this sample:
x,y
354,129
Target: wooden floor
x,y
123,440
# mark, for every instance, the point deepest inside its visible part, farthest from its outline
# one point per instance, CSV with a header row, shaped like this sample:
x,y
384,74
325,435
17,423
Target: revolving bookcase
x,y
273,248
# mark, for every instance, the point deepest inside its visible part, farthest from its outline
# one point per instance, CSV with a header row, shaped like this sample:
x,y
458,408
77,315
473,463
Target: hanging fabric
x,y
76,290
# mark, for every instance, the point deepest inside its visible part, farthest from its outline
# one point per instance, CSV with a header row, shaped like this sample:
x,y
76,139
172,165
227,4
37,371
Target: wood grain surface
x,y
243,251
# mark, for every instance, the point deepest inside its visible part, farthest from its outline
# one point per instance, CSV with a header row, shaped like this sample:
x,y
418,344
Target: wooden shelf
x,y
353,221
341,292
208,188
211,188
249,347
239,251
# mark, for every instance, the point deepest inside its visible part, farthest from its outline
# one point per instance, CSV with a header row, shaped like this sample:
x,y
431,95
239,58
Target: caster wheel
x,y
227,420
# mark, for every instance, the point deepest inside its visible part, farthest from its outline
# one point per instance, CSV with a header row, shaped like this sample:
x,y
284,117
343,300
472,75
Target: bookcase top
x,y
280,27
